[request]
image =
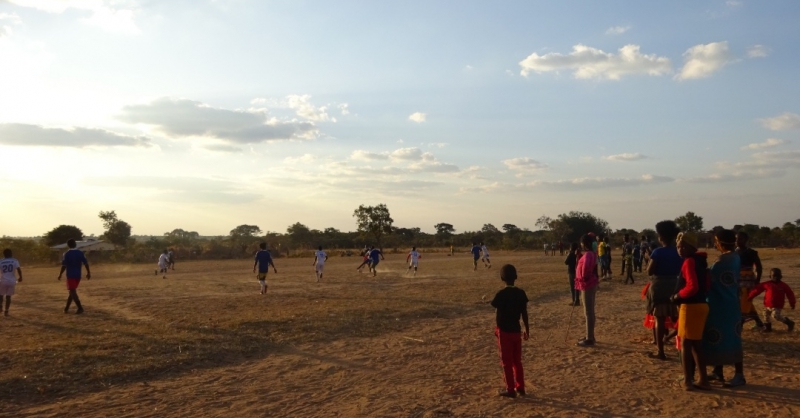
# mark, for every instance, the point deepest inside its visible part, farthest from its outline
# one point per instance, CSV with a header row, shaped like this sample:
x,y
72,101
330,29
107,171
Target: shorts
x,y
162,266
319,267
72,284
262,276
374,263
414,264
692,320
7,288
486,257
476,258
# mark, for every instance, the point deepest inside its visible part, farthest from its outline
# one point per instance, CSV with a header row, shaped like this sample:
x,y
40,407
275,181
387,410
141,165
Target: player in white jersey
x,y
485,256
8,280
320,257
163,263
413,260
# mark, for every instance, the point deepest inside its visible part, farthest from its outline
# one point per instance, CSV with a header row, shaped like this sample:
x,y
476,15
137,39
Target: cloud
x,y
104,14
701,61
524,164
368,156
769,159
181,118
734,3
11,18
437,144
617,30
589,63
577,184
769,143
302,106
757,51
785,122
738,176
180,189
223,148
344,108
18,134
417,117
406,154
303,159
626,157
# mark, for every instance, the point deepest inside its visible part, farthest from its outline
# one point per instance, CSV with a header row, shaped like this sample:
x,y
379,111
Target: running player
x,y
320,257
413,260
375,256
365,260
476,255
263,261
163,263
8,280
485,257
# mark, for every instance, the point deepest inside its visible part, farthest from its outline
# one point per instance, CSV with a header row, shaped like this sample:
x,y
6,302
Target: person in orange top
x,y
777,293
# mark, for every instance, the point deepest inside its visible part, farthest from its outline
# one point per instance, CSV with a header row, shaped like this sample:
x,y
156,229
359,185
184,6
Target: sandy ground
x,y
204,342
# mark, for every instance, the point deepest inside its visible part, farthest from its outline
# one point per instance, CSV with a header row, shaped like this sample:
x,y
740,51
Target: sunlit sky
x,y
204,115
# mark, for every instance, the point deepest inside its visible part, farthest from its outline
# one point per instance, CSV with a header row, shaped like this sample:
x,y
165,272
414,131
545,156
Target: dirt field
x,y
204,342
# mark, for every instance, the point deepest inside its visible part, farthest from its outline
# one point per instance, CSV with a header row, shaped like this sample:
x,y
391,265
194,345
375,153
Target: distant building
x,y
87,246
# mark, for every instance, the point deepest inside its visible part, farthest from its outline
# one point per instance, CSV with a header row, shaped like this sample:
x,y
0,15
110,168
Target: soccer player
x,y
72,262
413,260
263,261
365,255
485,257
476,255
320,257
171,259
163,263
375,256
8,280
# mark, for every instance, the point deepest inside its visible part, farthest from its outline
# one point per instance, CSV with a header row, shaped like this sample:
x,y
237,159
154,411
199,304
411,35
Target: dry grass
x,y
204,342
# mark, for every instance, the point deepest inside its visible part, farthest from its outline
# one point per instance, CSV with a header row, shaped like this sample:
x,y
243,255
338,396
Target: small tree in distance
x,y
61,234
690,222
117,230
374,220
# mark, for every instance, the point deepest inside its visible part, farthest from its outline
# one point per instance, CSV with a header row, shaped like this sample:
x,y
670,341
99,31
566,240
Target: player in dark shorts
x,y
72,262
476,255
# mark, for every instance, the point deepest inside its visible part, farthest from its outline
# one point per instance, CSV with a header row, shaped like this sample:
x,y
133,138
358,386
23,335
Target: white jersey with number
x,y
8,267
321,255
485,252
414,258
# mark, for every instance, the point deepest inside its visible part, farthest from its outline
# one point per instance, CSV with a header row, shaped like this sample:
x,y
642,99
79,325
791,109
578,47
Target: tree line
x,y
374,226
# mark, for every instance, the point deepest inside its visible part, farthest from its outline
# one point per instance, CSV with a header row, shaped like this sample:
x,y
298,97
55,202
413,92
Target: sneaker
x,y
79,311
738,380
506,394
585,343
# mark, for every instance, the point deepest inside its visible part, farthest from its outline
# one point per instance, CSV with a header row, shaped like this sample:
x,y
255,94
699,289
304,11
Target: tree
x,y
117,230
581,223
62,234
244,235
444,231
510,228
374,221
559,228
490,229
690,222
544,222
299,234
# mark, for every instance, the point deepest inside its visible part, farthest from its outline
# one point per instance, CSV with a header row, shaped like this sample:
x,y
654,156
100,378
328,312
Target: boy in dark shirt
x,y
572,262
511,303
72,262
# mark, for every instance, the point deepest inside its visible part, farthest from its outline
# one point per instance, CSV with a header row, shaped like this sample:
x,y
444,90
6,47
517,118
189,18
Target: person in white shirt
x,y
413,260
8,279
163,263
485,251
319,262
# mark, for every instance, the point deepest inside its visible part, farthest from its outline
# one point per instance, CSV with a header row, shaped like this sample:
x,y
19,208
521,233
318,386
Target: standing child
x,y
637,257
628,260
777,292
263,261
72,262
511,303
413,260
572,263
320,257
8,280
664,269
692,288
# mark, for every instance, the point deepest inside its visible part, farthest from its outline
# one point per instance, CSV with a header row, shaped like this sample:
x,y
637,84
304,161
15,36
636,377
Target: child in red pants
x,y
511,304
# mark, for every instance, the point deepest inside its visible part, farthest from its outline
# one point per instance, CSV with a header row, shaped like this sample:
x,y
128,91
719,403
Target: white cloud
x,y
418,117
734,3
626,157
368,156
617,30
577,184
737,176
182,118
303,159
769,143
524,164
588,63
701,61
18,134
11,19
343,107
757,51
407,154
437,144
769,159
468,67
105,14
304,108
223,148
785,122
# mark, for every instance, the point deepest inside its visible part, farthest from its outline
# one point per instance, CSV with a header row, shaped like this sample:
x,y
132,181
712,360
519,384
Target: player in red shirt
x,y
777,293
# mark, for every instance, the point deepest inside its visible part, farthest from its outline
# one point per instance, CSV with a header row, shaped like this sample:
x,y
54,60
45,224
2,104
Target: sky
x,y
208,114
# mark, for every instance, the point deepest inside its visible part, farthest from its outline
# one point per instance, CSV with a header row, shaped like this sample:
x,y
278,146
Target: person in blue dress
x,y
722,337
